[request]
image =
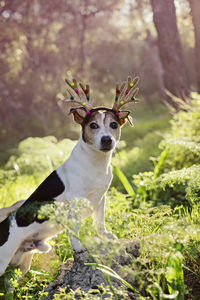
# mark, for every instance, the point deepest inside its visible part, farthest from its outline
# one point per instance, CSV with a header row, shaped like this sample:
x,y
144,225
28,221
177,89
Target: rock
x,y
74,274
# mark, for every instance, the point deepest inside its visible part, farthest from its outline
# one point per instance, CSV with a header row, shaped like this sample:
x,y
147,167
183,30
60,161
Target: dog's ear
x,y
79,114
123,117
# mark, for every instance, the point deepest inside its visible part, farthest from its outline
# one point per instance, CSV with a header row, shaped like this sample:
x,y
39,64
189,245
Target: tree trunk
x,y
195,12
156,65
175,76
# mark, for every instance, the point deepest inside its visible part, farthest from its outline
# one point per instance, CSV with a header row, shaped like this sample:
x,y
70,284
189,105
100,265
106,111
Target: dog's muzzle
x,y
106,143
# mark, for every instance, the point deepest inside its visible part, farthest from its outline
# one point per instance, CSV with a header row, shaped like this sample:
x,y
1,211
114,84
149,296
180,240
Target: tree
x,y
175,75
156,66
195,12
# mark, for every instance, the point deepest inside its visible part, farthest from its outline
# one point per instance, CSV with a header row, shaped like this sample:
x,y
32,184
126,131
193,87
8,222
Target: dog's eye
x,y
113,125
94,125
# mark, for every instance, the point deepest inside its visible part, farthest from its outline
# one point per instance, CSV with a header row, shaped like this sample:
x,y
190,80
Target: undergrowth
x,y
154,198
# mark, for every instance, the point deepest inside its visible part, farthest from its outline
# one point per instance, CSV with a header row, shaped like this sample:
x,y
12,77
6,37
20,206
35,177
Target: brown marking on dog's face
x,y
112,124
102,131
88,132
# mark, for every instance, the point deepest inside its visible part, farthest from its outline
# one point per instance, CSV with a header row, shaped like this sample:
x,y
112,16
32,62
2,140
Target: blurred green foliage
x,y
29,165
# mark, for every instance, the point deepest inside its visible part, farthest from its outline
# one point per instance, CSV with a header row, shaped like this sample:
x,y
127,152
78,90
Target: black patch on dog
x,y
4,231
50,188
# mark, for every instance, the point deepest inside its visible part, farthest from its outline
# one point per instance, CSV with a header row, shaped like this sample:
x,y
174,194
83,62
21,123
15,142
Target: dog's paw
x,y
78,248
43,246
110,235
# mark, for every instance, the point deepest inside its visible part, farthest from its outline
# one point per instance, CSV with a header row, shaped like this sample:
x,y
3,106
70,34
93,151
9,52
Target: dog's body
x,y
86,174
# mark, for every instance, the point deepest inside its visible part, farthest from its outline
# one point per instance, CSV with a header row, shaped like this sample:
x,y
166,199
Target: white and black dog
x,y
86,174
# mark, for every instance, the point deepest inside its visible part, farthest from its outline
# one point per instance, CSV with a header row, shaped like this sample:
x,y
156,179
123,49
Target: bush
x,y
29,165
176,177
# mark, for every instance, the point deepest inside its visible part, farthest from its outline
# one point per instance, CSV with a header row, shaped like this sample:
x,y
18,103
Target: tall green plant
x,y
128,187
174,275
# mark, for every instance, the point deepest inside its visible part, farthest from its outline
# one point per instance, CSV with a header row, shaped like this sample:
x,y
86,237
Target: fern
x,y
183,142
189,178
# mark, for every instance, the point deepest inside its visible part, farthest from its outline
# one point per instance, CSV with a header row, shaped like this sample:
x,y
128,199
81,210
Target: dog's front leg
x,y
99,216
76,245
25,263
74,218
74,236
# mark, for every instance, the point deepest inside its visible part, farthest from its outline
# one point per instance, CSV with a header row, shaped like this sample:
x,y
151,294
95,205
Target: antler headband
x,y
126,93
76,96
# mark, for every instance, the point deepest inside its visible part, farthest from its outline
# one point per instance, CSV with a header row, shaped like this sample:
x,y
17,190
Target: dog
x,y
87,173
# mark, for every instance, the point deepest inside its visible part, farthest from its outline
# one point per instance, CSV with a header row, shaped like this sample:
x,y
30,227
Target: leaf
x,y
125,182
174,275
160,162
163,295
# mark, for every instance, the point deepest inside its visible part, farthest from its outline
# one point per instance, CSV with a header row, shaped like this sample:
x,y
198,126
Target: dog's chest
x,y
96,185
90,183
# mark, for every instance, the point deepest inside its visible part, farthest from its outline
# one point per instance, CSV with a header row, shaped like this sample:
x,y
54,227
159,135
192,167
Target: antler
x,y
75,96
126,93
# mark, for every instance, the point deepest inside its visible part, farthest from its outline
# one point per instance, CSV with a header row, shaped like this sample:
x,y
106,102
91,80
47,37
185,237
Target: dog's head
x,y
101,126
101,129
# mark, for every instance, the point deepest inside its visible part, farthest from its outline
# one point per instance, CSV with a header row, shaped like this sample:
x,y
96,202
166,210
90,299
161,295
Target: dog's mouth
x,y
106,149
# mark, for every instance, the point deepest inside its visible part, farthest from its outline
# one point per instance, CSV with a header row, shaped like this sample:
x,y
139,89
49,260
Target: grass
x,y
154,198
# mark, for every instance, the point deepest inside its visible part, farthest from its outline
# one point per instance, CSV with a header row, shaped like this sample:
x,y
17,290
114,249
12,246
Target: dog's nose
x,y
106,140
